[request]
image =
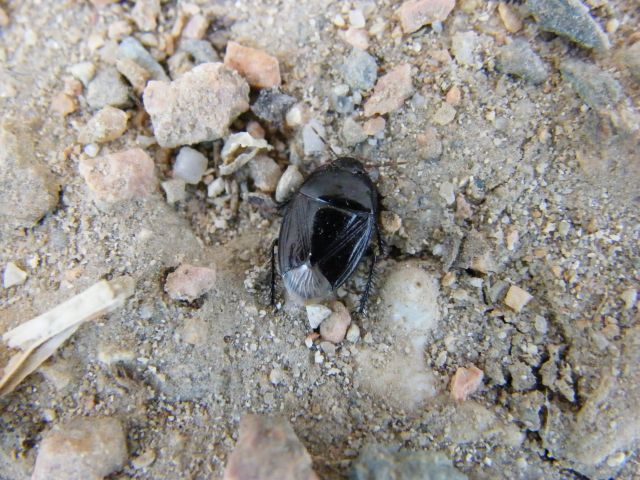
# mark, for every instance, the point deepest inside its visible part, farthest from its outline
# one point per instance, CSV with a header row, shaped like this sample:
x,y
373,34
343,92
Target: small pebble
x,y
84,447
190,165
63,104
265,173
13,275
268,449
91,149
353,333
359,70
444,115
108,88
328,348
174,189
453,96
512,22
197,107
374,126
145,14
413,14
259,68
188,282
215,188
517,298
597,88
465,382
629,297
390,91
83,71
289,182
107,124
4,18
131,49
462,46
390,222
272,106
334,328
356,37
352,132
312,137
447,192
356,18
119,176
134,73
196,27
518,59
316,314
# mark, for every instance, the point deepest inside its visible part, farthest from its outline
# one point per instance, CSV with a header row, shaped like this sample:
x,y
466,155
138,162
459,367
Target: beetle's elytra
x,y
327,227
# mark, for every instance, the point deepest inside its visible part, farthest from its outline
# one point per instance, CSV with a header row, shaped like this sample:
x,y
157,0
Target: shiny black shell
x,y
327,227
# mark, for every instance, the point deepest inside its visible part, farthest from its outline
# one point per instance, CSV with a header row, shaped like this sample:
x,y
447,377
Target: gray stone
x,y
108,88
352,132
200,50
197,107
28,189
518,59
312,137
382,462
360,70
272,106
596,88
84,447
462,45
265,173
570,19
631,58
132,49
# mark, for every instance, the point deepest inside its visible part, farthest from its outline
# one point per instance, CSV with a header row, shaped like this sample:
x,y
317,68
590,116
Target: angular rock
x,y
462,45
188,282
145,14
359,70
268,449
272,106
390,92
444,115
316,314
108,88
289,182
131,49
334,328
84,447
265,173
517,298
570,19
13,275
259,68
597,89
196,27
120,176
313,137
174,189
107,124
352,132
518,59
200,50
136,75
28,189
381,462
197,107
374,126
465,382
413,14
190,165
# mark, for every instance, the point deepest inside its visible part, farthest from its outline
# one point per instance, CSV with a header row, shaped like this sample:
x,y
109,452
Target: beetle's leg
x,y
367,289
273,271
382,246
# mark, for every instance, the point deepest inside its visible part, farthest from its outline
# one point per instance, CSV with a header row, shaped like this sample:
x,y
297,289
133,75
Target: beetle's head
x,y
349,164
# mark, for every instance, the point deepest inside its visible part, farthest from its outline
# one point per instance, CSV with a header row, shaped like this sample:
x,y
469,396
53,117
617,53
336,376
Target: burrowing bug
x,y
326,229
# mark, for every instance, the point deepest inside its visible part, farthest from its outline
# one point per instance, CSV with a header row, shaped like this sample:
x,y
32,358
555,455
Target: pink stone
x,y
196,27
259,68
356,37
413,14
465,382
189,282
334,328
268,449
374,126
120,176
390,92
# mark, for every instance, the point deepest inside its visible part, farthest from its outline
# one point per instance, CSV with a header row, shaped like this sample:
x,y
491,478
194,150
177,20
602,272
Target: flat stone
x,y
107,124
381,462
268,449
359,70
120,176
28,189
517,298
13,275
131,49
259,68
188,282
85,447
390,91
414,14
518,59
465,382
197,107
145,14
570,19
108,88
596,88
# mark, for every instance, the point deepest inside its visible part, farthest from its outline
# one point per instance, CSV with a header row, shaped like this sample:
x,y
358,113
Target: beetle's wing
x,y
294,243
339,240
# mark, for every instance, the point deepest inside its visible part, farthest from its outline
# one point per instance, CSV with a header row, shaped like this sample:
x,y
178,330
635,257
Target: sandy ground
x,y
526,186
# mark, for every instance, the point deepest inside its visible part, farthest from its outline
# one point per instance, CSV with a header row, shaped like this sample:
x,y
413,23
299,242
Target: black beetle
x,y
326,230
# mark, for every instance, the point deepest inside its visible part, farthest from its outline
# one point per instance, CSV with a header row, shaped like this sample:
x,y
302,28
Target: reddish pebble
x,y
356,37
196,27
413,14
374,126
465,382
334,328
390,92
268,449
189,282
120,176
63,104
453,96
260,69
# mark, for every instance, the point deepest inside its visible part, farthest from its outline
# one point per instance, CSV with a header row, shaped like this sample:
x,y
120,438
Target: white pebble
x,y
312,135
190,165
446,192
316,314
14,275
92,150
629,297
289,182
174,189
353,334
215,188
356,18
83,71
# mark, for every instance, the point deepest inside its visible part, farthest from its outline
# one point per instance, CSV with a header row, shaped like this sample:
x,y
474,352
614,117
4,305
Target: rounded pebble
x,y
190,165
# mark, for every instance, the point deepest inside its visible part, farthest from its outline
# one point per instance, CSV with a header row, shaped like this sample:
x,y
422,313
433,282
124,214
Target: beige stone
x,y
107,124
517,298
189,282
259,68
413,14
390,91
334,328
465,382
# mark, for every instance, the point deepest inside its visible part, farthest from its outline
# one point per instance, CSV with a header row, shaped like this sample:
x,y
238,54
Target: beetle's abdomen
x,y
307,282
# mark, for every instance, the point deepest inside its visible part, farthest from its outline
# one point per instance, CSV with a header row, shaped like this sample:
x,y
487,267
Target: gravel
x,y
108,89
518,59
260,69
414,14
265,173
190,165
272,106
131,49
359,70
106,125
13,275
316,314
